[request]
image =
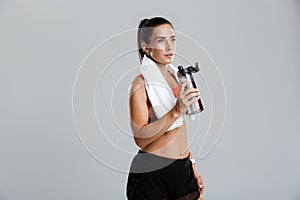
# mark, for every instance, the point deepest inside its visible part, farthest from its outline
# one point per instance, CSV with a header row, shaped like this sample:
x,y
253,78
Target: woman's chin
x,y
168,61
164,61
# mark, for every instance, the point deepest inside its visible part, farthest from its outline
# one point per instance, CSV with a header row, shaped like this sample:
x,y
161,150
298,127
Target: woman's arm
x,y
145,133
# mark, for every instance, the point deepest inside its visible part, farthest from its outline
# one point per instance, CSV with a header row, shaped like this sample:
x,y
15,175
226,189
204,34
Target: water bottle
x,y
185,74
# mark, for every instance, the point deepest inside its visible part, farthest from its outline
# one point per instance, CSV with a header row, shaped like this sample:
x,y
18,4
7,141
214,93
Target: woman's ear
x,y
145,48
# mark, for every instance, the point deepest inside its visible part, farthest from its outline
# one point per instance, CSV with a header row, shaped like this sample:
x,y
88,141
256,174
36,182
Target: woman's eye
x,y
173,40
160,40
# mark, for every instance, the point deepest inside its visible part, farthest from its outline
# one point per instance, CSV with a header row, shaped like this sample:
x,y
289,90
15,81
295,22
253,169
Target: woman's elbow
x,y
140,142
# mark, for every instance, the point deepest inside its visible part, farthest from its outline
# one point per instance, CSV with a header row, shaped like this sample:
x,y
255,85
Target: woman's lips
x,y
169,55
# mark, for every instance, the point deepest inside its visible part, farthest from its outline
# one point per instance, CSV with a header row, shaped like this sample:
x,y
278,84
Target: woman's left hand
x,y
198,179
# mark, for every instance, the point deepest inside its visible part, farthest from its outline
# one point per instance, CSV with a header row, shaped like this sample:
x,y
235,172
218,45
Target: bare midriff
x,y
173,143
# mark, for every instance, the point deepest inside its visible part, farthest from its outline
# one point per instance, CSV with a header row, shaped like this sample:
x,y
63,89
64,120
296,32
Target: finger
x,y
190,99
190,90
183,85
201,192
191,95
200,182
201,188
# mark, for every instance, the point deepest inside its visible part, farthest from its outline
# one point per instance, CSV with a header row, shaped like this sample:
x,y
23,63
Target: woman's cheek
x,y
159,47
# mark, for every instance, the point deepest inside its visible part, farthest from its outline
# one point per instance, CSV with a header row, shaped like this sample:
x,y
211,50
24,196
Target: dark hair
x,y
145,31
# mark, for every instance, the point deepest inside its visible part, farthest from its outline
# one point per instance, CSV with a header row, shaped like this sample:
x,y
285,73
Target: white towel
x,y
159,92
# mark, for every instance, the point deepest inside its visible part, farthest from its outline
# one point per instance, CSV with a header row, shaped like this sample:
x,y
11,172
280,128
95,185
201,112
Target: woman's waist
x,y
173,144
144,162
167,153
175,149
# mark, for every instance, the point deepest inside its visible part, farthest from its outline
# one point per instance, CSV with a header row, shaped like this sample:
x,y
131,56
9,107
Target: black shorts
x,y
153,177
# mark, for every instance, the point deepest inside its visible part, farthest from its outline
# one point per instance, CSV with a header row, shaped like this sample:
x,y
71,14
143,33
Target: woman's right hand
x,y
186,98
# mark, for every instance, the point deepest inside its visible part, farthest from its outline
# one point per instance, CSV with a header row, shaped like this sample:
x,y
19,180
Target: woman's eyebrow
x,y
162,37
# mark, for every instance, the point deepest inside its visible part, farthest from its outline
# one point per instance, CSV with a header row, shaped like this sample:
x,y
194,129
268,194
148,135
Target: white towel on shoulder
x,y
159,92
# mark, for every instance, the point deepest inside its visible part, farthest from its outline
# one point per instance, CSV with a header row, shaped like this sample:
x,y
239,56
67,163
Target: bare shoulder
x,y
138,82
137,86
138,102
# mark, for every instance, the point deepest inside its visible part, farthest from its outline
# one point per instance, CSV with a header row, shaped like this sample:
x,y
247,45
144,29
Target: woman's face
x,y
162,44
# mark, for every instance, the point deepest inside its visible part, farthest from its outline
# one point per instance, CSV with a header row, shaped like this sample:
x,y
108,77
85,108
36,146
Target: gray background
x,y
254,43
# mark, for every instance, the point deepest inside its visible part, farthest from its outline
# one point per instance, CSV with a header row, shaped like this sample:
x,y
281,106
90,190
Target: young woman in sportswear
x,y
164,167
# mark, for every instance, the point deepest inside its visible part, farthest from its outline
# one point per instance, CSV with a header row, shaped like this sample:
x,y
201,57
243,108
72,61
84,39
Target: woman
x,y
164,167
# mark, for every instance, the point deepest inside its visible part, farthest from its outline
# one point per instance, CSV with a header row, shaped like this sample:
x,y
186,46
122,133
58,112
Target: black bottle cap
x,y
181,70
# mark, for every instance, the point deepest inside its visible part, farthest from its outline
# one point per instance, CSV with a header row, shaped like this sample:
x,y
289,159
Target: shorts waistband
x,y
162,157
148,162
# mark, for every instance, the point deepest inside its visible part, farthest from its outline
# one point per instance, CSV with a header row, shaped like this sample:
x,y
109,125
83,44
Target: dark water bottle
x,y
186,74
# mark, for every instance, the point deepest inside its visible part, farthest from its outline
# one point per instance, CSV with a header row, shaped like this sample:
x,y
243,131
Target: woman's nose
x,y
168,46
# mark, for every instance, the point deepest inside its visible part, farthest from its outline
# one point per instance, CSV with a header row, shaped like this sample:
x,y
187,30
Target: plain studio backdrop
x,y
254,44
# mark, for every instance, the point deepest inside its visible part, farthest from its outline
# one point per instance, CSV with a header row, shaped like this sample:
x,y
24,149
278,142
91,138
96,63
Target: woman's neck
x,y
163,69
